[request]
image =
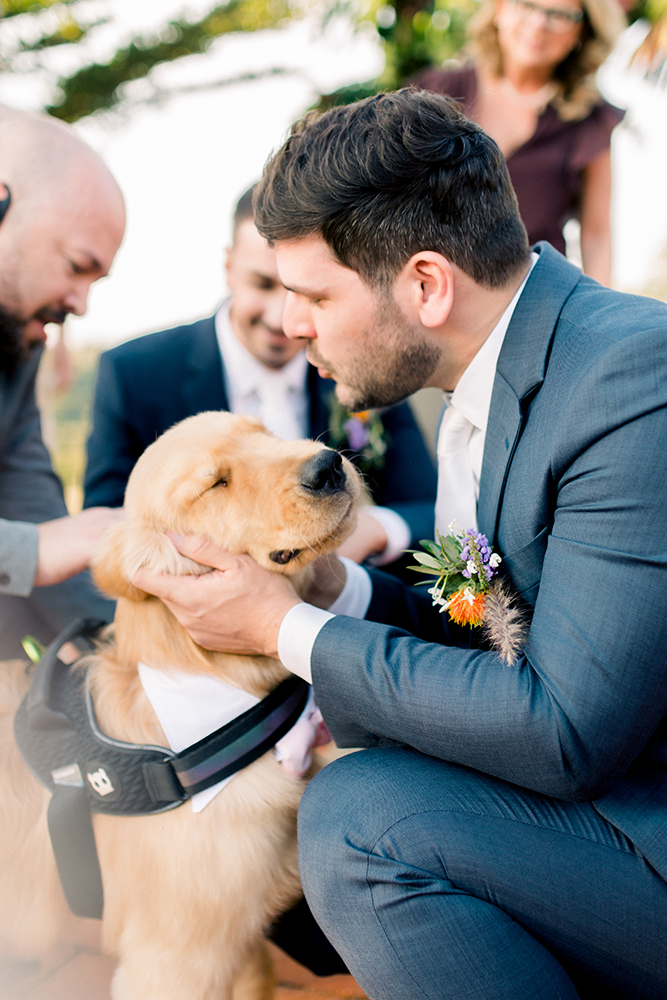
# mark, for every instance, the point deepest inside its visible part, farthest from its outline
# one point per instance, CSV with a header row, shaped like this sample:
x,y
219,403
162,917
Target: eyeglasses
x,y
557,19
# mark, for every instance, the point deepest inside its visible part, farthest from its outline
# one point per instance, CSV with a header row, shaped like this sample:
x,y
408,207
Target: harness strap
x,y
71,831
231,747
87,771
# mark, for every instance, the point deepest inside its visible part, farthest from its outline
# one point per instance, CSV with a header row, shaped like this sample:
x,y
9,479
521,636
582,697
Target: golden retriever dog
x,y
187,896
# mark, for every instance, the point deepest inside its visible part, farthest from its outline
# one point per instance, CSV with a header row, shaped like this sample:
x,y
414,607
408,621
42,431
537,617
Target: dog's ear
x,y
109,565
127,548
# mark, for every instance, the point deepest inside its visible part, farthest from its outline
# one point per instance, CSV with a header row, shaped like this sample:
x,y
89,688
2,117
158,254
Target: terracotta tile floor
x,y
79,972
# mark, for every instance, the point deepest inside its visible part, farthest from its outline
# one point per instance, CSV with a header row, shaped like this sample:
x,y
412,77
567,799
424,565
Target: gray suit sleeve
x,y
18,557
30,493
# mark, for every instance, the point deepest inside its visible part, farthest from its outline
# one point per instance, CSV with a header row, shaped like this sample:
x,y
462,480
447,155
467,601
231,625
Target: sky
x,y
183,163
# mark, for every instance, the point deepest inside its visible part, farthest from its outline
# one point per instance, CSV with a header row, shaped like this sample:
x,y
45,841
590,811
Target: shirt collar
x,y
472,395
243,370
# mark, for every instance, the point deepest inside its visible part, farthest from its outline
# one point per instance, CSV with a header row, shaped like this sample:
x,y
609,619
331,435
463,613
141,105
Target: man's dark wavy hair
x,y
388,176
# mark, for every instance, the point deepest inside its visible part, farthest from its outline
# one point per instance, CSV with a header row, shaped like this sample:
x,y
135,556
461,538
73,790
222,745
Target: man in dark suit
x,y
504,836
240,359
61,222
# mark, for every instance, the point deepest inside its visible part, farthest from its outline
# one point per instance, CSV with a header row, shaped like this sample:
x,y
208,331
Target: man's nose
x,y
76,299
296,317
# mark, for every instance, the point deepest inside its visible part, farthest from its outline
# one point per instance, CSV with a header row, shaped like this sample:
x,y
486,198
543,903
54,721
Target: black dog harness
x,y
58,736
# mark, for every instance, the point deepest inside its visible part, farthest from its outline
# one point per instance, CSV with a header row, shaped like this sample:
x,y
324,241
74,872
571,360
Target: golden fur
x,y
187,897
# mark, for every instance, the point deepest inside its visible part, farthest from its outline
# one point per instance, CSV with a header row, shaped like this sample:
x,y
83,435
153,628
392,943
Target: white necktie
x,y
276,406
456,499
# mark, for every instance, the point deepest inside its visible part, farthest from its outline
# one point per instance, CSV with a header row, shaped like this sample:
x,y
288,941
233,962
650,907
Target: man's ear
x,y
229,262
427,282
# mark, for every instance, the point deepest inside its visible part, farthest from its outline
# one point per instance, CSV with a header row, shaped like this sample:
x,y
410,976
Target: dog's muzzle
x,y
324,473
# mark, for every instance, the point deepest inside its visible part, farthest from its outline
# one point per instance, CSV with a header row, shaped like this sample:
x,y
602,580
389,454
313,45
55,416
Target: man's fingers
x,y
179,589
202,550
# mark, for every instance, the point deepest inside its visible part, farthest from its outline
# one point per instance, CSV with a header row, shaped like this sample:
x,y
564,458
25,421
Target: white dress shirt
x,y
472,397
246,377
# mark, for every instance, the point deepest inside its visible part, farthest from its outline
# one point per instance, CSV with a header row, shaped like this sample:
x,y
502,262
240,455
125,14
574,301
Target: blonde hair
x,y
576,92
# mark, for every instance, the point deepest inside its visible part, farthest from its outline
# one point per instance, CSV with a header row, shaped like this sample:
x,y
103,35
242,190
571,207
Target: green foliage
x,y
415,34
71,415
97,86
10,8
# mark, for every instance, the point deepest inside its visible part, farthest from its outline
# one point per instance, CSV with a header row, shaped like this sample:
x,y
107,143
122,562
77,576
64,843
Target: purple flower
x,y
357,435
476,547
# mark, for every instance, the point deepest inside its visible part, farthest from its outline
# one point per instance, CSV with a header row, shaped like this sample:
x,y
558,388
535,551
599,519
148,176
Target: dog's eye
x,y
220,482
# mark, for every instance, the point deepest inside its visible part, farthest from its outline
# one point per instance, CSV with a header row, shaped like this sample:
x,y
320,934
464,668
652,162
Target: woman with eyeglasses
x,y
531,86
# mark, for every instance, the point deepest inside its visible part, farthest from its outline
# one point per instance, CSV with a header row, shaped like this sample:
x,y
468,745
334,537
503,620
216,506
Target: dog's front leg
x,y
256,980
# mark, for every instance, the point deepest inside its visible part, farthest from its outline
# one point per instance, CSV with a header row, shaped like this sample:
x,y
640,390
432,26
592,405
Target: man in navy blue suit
x,y
240,359
503,836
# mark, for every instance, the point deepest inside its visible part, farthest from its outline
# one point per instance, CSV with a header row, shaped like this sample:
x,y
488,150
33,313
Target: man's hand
x,y
236,608
67,544
368,539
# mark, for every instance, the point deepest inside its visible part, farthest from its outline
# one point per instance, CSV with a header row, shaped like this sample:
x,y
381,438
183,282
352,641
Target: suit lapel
x,y
320,391
520,372
203,384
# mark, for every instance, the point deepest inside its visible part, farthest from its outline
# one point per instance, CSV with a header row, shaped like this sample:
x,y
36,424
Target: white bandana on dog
x,y
191,706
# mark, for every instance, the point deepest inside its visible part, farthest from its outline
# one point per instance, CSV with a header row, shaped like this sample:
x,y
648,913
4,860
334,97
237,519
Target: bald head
x,y
62,227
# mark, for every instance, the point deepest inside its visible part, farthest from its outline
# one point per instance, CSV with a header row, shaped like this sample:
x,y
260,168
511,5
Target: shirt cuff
x,y
302,624
397,531
355,596
298,631
19,548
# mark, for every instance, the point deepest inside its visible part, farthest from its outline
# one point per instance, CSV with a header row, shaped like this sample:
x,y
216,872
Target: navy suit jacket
x,y
573,495
146,385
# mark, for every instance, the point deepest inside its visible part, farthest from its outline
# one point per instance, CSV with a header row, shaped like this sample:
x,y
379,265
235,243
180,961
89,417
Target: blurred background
x,y
185,101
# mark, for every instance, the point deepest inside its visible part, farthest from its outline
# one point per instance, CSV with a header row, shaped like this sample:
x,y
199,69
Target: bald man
x,y
61,222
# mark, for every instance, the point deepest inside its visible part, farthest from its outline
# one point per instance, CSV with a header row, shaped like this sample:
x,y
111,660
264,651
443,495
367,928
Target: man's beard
x,y
12,351
397,362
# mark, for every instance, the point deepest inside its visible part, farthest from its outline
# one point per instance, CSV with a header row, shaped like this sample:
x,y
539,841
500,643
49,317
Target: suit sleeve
x,y
30,493
113,447
408,481
571,717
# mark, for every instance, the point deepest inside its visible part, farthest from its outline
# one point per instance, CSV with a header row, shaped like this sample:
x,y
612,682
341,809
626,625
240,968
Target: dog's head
x,y
224,476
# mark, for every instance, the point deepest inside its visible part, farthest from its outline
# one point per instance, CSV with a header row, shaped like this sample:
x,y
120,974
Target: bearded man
x,y
503,836
61,222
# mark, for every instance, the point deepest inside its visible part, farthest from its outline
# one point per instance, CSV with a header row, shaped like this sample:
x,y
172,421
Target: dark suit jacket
x,y
146,385
30,492
573,495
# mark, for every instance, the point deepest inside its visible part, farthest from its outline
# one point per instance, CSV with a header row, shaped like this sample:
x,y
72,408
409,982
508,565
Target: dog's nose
x,y
324,472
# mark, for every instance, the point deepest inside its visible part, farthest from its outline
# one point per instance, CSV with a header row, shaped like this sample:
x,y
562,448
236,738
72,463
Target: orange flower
x,y
466,608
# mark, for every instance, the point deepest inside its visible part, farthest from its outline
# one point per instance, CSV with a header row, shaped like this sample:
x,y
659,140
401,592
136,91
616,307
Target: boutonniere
x,y
468,588
363,433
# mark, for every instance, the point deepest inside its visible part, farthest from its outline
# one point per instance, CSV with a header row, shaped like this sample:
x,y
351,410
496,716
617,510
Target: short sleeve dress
x,y
547,171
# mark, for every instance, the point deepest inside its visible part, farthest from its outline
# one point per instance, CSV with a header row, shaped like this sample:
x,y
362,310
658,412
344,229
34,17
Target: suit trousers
x,y
436,881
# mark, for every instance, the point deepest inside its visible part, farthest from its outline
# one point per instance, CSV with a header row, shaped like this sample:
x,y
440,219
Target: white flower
x,y
495,561
436,594
470,566
469,596
452,527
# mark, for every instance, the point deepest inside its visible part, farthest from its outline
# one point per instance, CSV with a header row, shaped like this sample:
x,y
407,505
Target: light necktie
x,y
276,407
456,499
